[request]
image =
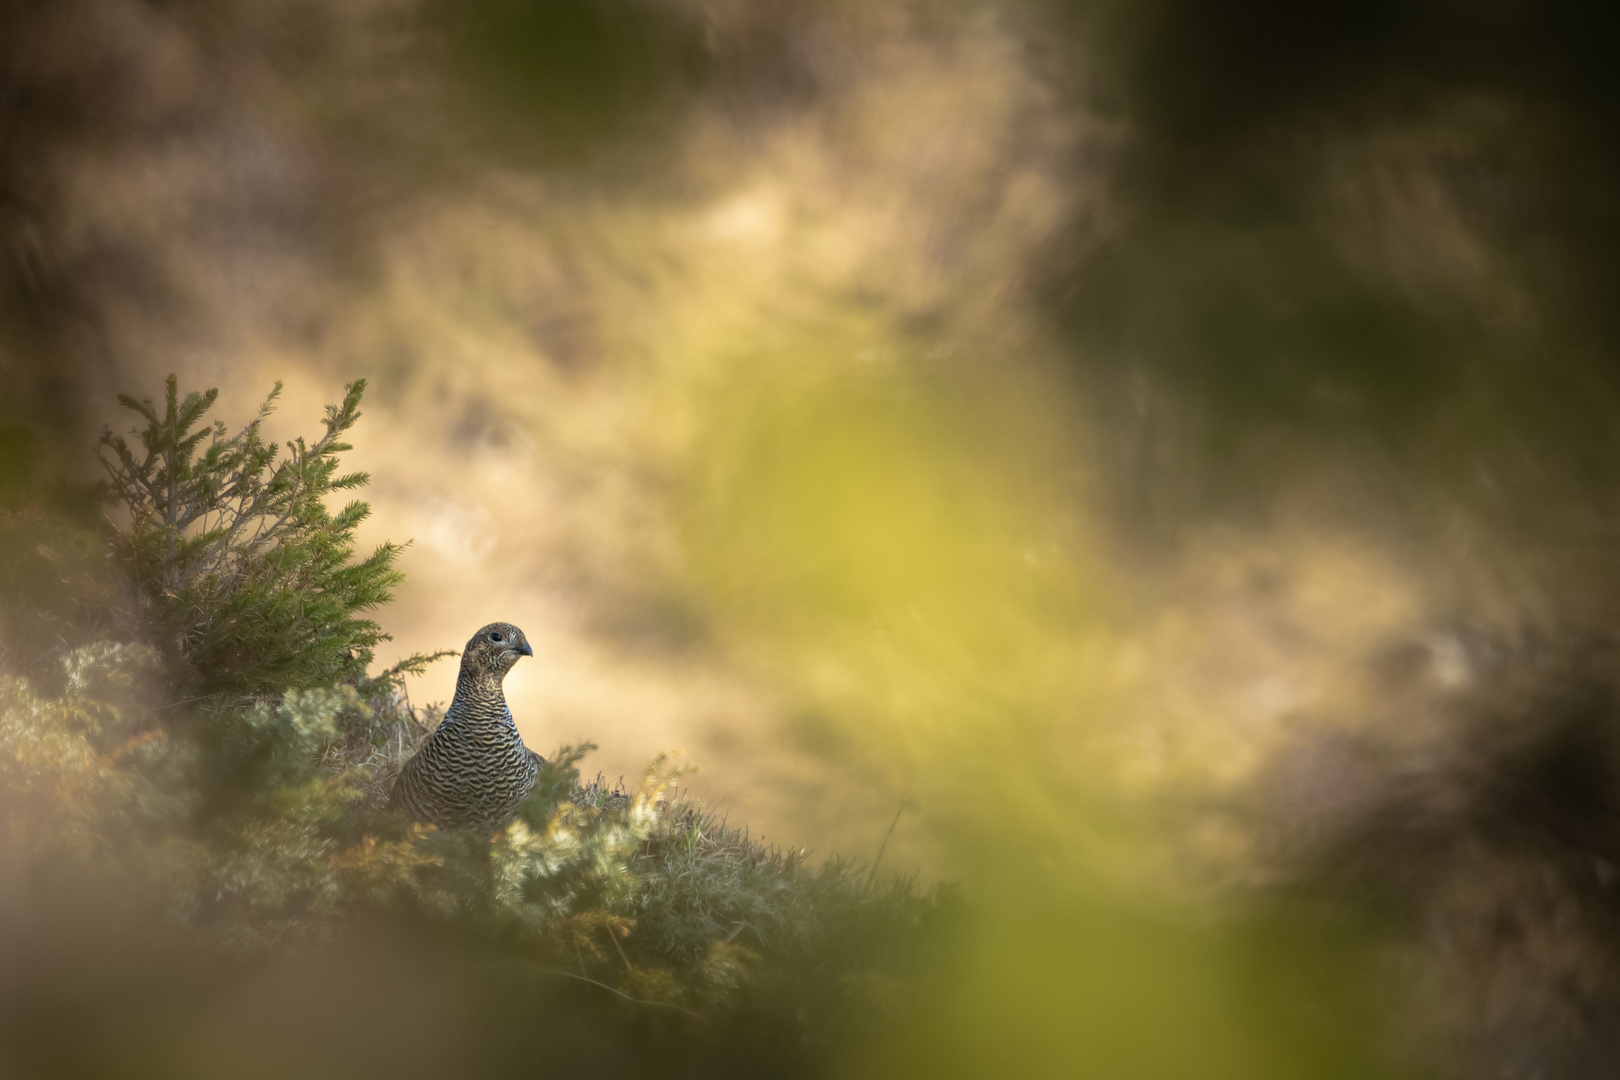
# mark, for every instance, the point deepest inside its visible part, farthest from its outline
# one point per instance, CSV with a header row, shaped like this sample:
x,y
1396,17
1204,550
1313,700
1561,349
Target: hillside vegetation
x,y
195,746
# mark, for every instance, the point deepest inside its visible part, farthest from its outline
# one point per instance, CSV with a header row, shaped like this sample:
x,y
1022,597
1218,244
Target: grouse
x,y
474,769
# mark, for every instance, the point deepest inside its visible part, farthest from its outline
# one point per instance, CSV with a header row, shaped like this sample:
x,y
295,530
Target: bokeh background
x,y
1165,451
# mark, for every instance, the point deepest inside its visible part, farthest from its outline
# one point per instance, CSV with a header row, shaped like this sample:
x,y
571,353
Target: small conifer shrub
x,y
244,577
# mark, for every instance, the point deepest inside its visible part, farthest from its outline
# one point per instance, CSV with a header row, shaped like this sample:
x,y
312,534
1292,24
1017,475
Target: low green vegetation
x,y
191,732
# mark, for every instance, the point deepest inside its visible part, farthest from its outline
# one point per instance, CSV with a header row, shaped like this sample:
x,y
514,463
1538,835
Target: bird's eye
x,y
494,637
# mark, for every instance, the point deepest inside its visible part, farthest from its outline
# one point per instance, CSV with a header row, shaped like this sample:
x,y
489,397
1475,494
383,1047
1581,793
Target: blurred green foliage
x,y
1087,988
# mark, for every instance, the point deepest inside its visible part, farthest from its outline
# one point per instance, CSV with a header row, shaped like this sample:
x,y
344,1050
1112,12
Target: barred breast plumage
x,y
474,769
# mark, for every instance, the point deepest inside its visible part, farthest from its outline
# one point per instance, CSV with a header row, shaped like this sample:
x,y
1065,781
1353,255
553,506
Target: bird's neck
x,y
480,693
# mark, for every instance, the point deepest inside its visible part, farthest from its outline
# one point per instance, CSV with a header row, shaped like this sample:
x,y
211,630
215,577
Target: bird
x,y
474,770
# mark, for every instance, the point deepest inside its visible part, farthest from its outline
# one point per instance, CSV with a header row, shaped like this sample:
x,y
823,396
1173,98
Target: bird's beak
x,y
524,650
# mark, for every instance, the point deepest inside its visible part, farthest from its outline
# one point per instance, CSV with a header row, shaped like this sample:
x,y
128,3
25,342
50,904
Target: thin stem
x,y
871,873
620,993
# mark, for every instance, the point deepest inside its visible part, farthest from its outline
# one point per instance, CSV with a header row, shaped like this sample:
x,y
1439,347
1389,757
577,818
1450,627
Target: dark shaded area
x,y
19,457
1234,312
380,1003
1496,859
57,587
569,77
1201,71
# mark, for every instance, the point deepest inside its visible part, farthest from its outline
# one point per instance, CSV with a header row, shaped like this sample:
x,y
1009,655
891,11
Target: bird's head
x,y
494,649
